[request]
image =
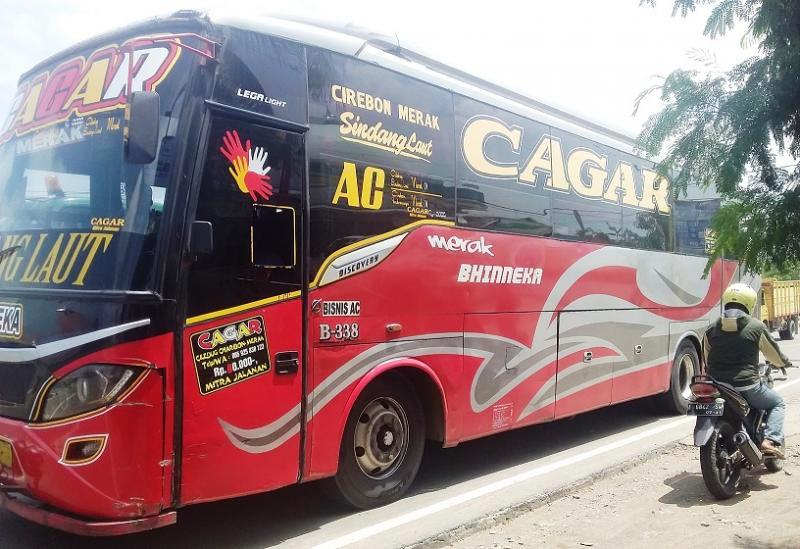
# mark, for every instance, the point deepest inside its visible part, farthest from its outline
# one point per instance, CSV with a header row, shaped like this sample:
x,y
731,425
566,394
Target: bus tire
x,y
382,445
685,365
791,330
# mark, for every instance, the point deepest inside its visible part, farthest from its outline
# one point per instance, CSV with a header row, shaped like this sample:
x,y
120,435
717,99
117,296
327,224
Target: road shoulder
x,y
660,502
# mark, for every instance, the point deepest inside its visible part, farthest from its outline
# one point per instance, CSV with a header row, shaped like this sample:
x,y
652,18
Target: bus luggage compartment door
x,y
586,358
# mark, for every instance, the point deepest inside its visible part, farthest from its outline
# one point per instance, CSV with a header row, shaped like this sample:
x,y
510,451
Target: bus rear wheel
x,y
382,446
685,365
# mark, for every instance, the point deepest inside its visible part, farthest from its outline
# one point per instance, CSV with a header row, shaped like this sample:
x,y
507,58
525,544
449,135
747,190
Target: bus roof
x,y
386,51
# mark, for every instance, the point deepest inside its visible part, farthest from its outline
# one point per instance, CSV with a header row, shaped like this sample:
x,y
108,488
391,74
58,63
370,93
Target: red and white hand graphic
x,y
232,146
257,180
248,166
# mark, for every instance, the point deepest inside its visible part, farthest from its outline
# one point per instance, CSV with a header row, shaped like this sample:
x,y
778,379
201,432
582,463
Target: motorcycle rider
x,y
731,347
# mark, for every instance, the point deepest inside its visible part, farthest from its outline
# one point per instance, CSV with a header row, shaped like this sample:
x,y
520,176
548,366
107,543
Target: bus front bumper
x,y
37,512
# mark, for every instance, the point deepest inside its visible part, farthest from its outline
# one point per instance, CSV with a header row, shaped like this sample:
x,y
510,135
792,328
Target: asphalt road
x,y
642,505
454,486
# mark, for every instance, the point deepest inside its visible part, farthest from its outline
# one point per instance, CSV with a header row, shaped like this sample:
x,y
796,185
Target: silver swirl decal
x,y
506,363
270,436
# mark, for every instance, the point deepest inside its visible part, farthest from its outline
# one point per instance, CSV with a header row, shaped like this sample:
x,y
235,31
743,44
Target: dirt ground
x,y
663,502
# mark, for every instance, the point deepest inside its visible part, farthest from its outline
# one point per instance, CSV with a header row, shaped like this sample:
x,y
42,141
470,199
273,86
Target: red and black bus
x,y
241,254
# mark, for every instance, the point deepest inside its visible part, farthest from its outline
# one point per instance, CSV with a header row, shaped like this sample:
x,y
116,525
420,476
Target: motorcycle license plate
x,y
706,408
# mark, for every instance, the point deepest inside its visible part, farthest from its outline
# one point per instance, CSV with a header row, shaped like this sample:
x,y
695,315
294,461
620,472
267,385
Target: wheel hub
x,y
380,440
387,440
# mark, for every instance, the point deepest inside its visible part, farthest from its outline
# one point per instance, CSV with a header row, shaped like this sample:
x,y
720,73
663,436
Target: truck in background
x,y
780,306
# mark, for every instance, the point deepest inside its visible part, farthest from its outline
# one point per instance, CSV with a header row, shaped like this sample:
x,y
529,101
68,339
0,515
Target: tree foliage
x,y
788,272
729,130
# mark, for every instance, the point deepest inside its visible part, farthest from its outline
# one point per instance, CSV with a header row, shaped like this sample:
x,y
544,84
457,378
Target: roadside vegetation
x,y
739,132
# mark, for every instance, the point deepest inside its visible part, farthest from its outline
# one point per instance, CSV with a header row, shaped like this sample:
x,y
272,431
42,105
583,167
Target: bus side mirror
x,y
201,238
141,133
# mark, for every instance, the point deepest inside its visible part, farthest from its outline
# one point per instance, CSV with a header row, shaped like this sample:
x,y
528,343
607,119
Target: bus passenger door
x,y
242,345
585,361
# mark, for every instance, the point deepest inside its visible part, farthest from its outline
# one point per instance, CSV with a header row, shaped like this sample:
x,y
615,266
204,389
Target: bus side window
x,y
273,242
250,193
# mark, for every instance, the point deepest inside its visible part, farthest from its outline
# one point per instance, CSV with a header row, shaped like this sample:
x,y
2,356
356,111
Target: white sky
x,y
588,57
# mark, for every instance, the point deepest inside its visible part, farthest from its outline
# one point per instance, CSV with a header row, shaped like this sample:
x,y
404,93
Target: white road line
x,y
787,384
375,529
496,486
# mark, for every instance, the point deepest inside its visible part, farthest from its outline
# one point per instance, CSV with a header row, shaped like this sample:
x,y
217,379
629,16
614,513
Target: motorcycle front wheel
x,y
720,473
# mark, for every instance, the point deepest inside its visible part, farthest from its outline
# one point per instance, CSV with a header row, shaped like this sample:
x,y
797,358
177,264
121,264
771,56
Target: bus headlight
x,y
86,389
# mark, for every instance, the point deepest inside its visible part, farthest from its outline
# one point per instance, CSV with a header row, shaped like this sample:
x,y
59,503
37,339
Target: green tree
x,y
788,272
728,130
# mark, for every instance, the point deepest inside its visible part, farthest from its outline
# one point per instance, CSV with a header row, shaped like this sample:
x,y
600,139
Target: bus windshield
x,y
73,214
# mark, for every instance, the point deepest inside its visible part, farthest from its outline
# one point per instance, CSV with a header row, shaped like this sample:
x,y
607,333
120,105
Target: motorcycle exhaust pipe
x,y
748,448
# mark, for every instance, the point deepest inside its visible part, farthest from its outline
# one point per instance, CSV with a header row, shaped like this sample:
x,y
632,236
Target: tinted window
x,y
646,230
641,228
693,224
381,146
263,74
521,176
75,214
274,235
584,211
588,221
269,165
500,202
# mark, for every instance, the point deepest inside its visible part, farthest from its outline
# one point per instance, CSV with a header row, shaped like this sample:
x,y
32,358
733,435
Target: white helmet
x,y
742,294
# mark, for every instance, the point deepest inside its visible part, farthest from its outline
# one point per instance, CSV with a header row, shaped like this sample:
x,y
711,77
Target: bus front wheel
x,y
382,446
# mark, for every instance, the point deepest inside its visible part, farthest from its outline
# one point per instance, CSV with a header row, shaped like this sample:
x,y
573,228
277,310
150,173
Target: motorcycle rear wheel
x,y
720,474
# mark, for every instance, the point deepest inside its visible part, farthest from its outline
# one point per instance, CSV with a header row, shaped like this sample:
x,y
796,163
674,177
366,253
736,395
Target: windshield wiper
x,y
8,252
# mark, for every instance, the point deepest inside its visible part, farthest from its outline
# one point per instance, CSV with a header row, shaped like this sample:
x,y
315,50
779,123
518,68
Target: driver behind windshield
x,y
731,346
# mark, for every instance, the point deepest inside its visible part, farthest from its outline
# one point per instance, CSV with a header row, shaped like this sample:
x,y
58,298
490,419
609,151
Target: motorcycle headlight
x,y
86,389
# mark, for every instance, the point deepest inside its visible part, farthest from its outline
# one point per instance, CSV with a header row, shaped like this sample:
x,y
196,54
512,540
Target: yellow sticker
x,y
6,454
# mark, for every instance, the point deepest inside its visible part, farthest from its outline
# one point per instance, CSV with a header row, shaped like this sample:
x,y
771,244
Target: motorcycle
x,y
729,433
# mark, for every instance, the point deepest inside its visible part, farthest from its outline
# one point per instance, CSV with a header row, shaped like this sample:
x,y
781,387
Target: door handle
x,y
287,362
